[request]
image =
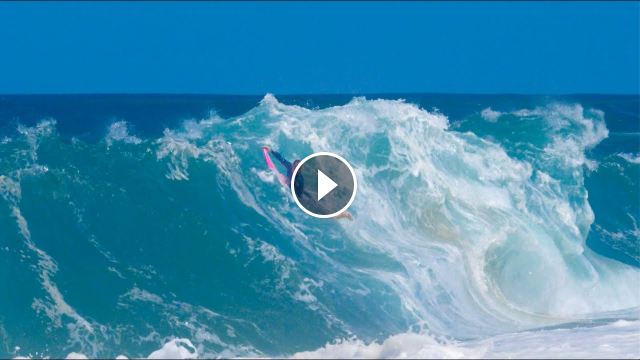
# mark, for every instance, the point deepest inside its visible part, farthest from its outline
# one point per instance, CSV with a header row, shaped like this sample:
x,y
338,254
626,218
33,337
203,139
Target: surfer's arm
x,y
284,161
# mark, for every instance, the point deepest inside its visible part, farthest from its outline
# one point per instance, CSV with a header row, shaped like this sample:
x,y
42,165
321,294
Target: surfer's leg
x,y
344,214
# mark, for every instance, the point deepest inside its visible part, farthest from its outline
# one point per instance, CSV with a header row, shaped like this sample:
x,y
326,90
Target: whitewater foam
x,y
634,159
618,340
490,115
119,131
176,349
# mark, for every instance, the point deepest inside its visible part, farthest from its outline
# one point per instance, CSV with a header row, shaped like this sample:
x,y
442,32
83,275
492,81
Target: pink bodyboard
x,y
270,165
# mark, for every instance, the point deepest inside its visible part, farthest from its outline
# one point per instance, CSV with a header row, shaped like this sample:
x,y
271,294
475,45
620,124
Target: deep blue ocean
x,y
485,226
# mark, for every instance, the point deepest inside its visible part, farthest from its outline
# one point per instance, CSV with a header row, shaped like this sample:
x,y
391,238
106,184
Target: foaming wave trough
x,y
616,340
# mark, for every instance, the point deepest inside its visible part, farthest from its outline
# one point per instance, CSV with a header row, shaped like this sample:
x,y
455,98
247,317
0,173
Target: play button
x,y
325,185
329,185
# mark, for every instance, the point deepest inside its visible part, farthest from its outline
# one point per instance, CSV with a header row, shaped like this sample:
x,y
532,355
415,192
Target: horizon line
x,y
319,94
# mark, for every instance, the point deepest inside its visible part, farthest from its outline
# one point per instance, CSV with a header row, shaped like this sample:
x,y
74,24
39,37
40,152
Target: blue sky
x,y
315,47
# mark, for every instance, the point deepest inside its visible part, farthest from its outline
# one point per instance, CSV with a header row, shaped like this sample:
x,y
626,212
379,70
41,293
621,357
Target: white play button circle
x,y
324,185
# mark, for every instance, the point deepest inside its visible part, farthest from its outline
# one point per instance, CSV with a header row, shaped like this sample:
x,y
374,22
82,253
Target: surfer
x,y
298,183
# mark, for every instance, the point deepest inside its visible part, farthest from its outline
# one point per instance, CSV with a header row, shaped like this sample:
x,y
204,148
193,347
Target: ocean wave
x,y
495,205
452,231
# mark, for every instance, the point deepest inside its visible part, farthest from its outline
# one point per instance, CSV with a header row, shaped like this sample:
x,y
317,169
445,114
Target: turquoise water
x,y
128,222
